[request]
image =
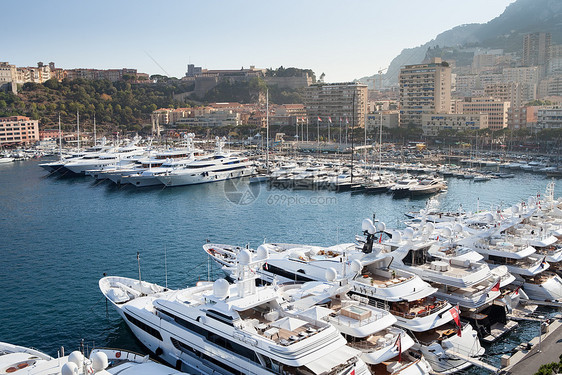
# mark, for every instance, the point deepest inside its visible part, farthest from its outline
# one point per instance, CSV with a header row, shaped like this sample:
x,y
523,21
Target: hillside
x,y
505,31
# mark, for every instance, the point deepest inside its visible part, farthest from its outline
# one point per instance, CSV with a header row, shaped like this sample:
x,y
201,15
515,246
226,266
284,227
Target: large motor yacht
x,y
230,329
217,167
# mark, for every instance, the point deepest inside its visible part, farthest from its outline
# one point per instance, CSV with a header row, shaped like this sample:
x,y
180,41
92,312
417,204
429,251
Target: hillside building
x,y
424,88
18,130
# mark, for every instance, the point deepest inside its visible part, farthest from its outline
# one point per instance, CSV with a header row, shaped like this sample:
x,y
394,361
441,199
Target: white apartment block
x,y
518,94
390,119
496,110
527,74
424,88
549,117
432,124
336,100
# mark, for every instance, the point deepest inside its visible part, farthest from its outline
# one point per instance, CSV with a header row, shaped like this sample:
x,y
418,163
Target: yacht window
x,y
145,327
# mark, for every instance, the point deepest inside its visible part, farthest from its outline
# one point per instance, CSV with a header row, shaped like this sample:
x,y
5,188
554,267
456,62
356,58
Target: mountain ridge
x,y
505,31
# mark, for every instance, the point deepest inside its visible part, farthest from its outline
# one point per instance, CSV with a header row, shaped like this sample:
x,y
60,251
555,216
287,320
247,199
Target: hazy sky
x,y
345,39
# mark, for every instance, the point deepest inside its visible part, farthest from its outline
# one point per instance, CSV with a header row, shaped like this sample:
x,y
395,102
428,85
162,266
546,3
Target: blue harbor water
x,y
60,235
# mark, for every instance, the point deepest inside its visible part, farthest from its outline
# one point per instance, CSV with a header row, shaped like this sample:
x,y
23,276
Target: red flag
x,y
496,288
347,122
455,313
330,120
398,344
319,119
437,237
380,238
517,290
265,266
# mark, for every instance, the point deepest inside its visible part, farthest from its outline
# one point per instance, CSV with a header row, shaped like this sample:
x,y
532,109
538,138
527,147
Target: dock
x,y
544,349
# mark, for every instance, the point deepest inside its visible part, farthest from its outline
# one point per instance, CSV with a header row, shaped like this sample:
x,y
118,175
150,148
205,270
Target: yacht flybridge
x,y
230,329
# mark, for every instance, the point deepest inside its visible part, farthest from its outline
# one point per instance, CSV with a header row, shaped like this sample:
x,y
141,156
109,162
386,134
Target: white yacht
x,y
402,186
428,186
368,329
404,294
217,167
230,329
19,359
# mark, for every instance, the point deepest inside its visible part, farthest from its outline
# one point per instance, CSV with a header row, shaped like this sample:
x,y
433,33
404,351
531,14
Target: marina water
x,y
60,235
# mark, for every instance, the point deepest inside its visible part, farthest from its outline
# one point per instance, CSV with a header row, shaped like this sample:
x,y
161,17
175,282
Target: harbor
x,y
114,223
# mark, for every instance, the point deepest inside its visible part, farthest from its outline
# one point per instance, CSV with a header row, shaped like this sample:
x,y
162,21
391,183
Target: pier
x,y
544,349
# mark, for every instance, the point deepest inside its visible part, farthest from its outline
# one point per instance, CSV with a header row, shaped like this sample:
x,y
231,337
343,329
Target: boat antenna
x,y
95,136
138,262
352,131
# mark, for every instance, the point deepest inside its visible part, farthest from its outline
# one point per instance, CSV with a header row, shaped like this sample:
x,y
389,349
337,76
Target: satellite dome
x,y
381,226
69,368
77,358
515,209
356,266
262,253
531,201
447,232
99,361
220,288
430,228
331,274
489,217
366,224
408,232
245,257
396,236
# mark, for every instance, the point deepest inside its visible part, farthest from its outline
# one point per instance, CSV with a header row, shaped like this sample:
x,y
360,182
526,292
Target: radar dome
x,y
77,358
366,224
447,232
262,253
531,201
409,232
396,236
99,361
356,266
457,228
381,226
515,209
69,368
220,288
331,274
245,257
489,217
430,228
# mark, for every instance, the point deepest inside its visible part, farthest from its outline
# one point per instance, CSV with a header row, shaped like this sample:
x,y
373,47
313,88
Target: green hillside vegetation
x,y
116,105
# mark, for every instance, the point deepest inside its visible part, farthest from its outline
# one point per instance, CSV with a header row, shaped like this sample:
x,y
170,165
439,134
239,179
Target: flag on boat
x,y
347,122
496,288
330,120
380,238
319,119
543,262
456,317
517,290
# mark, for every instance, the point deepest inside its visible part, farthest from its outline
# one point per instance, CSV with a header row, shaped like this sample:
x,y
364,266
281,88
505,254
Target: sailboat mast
x,y
95,137
60,140
78,128
267,129
380,145
352,134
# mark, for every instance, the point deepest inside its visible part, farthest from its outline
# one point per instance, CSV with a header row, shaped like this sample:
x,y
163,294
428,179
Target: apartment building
x,y
496,109
432,124
335,100
549,117
518,94
424,88
18,130
389,119
536,50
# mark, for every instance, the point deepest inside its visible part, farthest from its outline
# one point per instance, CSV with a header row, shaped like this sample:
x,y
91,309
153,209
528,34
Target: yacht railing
x,y
425,311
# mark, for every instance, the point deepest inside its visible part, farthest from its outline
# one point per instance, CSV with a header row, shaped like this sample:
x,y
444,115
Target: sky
x,y
345,39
